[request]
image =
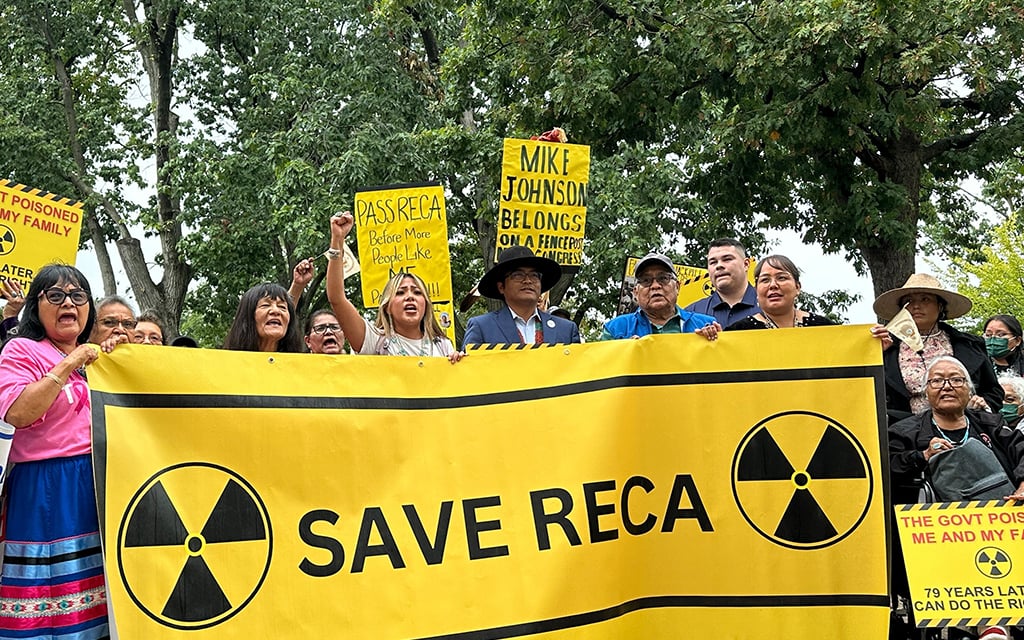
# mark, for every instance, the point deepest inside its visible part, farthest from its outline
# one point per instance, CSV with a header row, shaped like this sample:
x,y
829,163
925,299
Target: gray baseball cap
x,y
652,258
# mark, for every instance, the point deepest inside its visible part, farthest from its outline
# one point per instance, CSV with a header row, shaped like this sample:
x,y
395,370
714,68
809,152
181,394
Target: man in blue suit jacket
x,y
519,278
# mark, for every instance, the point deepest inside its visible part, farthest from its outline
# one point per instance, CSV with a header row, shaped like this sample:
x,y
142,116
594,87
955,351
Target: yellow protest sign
x,y
404,228
964,562
694,284
555,492
36,228
543,204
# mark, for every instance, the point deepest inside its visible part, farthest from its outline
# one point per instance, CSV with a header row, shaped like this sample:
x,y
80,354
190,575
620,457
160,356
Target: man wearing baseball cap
x,y
656,292
519,278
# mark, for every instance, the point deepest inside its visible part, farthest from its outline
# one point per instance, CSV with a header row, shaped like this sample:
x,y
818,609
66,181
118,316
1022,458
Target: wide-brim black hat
x,y
513,258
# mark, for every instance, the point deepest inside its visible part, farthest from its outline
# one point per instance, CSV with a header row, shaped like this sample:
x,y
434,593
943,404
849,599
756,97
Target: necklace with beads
x,y
773,325
967,432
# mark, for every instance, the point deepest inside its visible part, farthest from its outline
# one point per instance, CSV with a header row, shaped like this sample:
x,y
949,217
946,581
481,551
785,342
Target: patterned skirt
x,y
52,585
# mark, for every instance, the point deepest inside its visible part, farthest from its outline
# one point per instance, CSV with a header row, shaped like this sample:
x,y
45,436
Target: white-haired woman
x,y
1013,398
966,454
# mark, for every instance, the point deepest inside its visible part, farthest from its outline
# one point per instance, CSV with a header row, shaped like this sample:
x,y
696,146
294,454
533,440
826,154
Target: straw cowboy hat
x,y
887,305
511,259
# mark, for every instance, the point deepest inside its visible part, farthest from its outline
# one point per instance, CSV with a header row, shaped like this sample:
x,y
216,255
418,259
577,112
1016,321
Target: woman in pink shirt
x,y
52,583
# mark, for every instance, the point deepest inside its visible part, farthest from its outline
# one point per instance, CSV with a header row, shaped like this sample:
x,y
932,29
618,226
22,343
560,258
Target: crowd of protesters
x,y
957,389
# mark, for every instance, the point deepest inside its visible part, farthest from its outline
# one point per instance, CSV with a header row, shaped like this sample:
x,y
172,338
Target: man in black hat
x,y
519,278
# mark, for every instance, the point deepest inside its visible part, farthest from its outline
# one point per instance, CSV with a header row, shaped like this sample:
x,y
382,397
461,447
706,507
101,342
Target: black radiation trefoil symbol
x,y
194,545
993,562
802,480
7,240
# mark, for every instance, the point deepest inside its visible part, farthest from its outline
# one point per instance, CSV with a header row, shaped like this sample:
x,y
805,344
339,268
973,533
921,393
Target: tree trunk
x,y
102,255
891,257
155,45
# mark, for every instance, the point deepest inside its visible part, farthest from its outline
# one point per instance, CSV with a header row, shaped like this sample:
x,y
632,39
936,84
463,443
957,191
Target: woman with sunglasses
x,y
52,564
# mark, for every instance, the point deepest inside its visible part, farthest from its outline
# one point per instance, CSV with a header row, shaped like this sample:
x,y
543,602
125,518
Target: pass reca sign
x,y
194,545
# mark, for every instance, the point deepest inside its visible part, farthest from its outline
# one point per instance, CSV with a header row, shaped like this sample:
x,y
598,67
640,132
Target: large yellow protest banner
x,y
543,202
404,228
964,561
652,488
36,228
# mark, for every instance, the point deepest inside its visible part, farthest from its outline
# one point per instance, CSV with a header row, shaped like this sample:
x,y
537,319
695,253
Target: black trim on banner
x,y
212,401
666,602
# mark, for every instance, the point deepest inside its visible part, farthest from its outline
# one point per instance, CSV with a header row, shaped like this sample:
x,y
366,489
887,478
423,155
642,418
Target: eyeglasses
x,y
780,279
998,334
110,323
520,276
664,279
321,329
57,296
955,382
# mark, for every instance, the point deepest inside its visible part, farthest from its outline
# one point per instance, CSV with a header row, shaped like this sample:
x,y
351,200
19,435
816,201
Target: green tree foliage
x,y
852,122
74,123
996,283
846,121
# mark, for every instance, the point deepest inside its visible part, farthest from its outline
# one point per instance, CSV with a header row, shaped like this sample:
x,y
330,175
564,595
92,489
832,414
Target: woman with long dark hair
x,y
52,584
265,321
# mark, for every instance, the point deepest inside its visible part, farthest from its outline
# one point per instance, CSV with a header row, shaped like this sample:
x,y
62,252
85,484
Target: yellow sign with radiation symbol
x,y
36,228
964,562
611,490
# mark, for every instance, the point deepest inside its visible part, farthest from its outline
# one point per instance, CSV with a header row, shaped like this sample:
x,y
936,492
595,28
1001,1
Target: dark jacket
x,y
498,327
1015,364
750,322
968,349
909,437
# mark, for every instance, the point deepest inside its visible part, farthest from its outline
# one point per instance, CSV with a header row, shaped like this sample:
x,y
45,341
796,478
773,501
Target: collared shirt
x,y
527,326
672,325
639,325
713,305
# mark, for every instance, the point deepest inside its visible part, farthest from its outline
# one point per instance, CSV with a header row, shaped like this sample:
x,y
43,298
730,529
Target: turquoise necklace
x,y
963,441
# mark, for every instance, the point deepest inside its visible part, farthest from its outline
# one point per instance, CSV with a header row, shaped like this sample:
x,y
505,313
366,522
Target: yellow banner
x,y
404,228
964,562
694,284
543,204
555,492
36,228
